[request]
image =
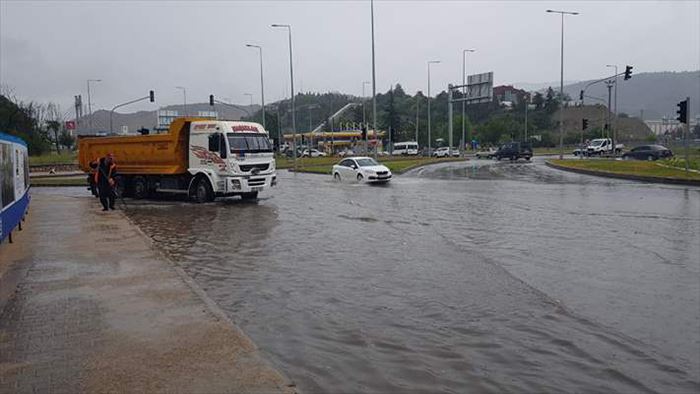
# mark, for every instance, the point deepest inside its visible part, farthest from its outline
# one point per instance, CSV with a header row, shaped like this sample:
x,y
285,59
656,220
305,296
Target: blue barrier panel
x,y
13,214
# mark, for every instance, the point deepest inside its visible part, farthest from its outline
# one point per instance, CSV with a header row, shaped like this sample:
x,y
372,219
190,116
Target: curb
x,y
639,178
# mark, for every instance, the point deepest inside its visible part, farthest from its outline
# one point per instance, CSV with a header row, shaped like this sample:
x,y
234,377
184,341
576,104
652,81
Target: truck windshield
x,y
597,142
247,142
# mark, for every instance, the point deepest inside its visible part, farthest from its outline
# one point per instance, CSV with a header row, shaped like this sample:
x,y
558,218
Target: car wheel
x,y
360,177
336,177
203,192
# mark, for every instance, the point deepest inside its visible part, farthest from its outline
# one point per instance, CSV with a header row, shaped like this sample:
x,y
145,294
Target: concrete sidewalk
x,y
97,309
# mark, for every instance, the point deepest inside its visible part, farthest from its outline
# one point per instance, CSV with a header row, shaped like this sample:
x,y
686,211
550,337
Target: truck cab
x,y
235,157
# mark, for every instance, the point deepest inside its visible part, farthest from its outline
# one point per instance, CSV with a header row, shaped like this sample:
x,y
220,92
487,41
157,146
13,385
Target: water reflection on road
x,y
455,277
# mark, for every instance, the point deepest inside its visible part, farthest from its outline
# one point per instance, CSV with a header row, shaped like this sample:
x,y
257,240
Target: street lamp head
x,y
469,50
252,46
433,61
279,25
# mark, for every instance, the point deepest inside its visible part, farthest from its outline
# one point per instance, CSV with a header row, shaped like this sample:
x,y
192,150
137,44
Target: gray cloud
x,y
49,49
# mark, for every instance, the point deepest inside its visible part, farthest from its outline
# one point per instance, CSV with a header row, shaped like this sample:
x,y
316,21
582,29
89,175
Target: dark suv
x,y
514,151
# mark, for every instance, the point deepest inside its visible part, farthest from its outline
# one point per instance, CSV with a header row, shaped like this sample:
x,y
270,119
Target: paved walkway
x,y
97,309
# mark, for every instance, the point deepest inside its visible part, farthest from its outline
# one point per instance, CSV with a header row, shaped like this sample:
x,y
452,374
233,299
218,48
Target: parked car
x,y
290,153
314,153
455,152
514,151
486,154
441,152
648,152
361,169
581,150
347,152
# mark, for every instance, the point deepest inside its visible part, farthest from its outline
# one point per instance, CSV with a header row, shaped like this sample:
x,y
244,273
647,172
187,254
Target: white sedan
x,y
361,169
314,153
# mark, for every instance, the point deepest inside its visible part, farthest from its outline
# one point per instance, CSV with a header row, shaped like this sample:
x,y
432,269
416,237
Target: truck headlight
x,y
236,184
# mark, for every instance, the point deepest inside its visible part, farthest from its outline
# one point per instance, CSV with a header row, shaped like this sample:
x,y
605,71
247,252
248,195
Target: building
x,y
508,94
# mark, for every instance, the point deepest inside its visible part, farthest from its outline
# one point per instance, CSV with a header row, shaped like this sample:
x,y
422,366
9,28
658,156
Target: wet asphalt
x,y
457,277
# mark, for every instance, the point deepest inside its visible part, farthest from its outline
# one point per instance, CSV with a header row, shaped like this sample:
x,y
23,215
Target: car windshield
x,y
597,142
248,142
368,162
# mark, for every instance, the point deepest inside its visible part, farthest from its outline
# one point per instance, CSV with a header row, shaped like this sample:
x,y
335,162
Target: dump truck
x,y
201,158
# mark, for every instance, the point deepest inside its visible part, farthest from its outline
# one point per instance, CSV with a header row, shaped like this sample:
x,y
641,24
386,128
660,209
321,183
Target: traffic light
x,y
628,72
364,132
682,111
211,100
152,96
580,96
584,124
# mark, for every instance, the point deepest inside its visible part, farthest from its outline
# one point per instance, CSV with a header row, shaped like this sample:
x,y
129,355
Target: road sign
x,y
480,88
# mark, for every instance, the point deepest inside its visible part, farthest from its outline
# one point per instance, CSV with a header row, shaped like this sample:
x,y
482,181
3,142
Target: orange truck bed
x,y
154,154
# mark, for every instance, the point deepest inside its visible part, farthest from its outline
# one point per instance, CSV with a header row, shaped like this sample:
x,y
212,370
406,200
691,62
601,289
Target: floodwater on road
x,y
457,277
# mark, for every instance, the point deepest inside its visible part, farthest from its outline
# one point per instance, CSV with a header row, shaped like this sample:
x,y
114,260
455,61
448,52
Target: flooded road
x,y
458,277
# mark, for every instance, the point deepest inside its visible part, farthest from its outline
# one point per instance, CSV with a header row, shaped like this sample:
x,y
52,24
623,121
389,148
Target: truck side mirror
x,y
214,142
222,146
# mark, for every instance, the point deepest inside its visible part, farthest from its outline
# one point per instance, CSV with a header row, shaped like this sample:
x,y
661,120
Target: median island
x,y
647,171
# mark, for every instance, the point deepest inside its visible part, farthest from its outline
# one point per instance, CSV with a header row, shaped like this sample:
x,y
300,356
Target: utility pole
x,y
291,79
429,143
364,116
374,84
417,114
262,82
609,84
464,94
90,102
614,127
561,86
527,104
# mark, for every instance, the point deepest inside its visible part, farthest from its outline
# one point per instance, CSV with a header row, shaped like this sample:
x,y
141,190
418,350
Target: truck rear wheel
x,y
140,187
203,191
249,196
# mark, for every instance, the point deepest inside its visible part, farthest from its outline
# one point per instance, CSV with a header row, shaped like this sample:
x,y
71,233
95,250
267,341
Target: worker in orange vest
x,y
105,171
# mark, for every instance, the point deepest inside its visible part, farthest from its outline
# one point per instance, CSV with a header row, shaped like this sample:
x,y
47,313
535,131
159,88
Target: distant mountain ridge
x,y
99,121
647,95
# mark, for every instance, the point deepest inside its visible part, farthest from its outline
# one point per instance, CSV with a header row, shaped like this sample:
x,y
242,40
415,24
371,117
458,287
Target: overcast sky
x,y
48,49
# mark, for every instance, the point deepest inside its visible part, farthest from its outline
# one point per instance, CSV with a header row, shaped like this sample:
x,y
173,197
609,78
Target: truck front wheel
x,y
203,191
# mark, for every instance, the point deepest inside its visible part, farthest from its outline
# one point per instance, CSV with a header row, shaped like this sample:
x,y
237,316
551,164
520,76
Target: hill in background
x,y
647,95
148,119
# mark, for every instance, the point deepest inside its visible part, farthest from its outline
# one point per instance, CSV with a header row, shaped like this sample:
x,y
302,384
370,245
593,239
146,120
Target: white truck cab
x,y
236,157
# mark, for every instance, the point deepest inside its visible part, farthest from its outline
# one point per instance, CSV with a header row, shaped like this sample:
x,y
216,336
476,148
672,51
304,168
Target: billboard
x,y
480,88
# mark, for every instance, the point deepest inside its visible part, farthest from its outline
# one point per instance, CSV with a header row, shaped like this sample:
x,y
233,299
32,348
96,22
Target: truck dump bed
x,y
155,154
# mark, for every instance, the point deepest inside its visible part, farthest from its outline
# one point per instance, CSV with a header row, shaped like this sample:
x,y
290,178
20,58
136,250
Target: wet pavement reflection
x,y
458,277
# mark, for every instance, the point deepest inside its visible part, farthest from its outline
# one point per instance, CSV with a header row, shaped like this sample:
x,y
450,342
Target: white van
x,y
405,148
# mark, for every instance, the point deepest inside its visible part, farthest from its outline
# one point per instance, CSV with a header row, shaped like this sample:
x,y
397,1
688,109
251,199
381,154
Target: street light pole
x,y
374,84
184,98
262,83
89,102
429,63
561,85
364,116
615,104
291,79
464,94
